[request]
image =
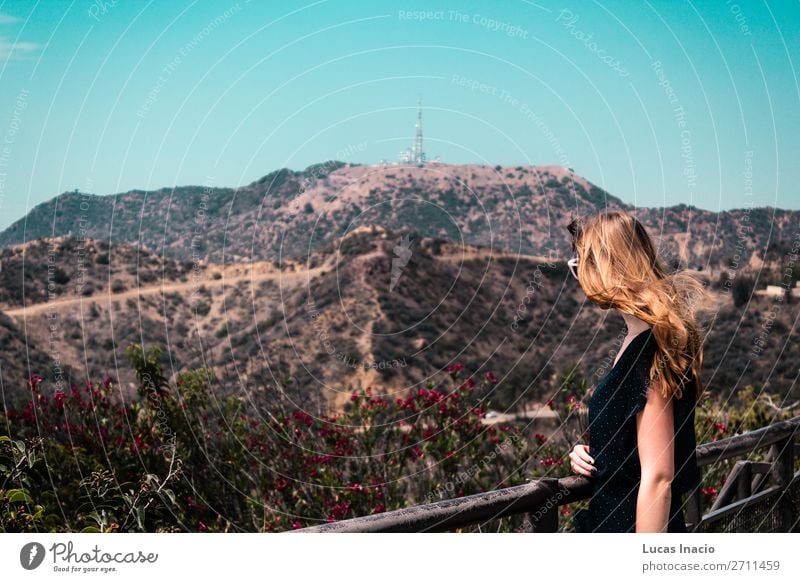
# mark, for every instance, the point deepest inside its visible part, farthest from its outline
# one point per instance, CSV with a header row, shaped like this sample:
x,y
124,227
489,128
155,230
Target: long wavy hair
x,y
618,267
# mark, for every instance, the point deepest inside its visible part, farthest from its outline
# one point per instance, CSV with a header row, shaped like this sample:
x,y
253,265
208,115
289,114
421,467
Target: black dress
x,y
612,443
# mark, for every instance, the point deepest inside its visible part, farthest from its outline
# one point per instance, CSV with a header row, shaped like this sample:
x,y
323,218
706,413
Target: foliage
x,y
180,458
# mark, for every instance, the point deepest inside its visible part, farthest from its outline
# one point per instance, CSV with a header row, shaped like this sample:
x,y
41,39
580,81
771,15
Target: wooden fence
x,y
757,496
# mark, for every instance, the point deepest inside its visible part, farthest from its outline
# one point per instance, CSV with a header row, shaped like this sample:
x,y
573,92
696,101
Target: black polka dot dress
x,y
613,407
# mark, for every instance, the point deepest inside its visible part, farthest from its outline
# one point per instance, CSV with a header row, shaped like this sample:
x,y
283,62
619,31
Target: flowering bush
x,y
181,459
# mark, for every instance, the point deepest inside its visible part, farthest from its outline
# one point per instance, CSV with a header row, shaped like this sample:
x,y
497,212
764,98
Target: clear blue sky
x,y
108,96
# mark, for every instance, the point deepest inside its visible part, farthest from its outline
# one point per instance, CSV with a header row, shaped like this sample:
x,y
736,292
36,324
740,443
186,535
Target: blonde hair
x,y
618,267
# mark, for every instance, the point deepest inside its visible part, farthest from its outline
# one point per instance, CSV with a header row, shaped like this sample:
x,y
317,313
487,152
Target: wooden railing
x,y
757,496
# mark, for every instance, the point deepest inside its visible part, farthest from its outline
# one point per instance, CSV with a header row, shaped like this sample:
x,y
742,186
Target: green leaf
x,y
91,529
17,495
169,493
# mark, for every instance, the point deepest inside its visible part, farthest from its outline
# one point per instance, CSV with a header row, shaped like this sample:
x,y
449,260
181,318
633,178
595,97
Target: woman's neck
x,y
634,324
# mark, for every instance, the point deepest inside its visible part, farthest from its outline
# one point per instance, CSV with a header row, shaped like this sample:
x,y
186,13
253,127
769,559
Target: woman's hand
x,y
581,462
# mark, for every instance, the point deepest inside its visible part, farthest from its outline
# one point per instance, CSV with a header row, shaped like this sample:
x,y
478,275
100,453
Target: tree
x,y
742,289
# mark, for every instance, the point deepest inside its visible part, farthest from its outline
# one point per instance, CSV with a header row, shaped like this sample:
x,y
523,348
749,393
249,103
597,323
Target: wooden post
x,y
545,518
782,469
693,508
743,484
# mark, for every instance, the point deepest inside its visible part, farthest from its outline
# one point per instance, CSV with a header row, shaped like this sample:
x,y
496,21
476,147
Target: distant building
x,y
774,290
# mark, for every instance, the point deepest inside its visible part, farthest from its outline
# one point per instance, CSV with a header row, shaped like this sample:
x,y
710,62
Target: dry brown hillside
x,y
361,312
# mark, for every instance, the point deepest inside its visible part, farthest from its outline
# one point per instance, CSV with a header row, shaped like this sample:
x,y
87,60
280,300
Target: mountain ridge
x,y
290,213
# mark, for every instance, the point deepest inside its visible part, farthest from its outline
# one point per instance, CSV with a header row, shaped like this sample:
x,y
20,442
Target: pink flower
x,y
455,368
467,384
490,377
540,438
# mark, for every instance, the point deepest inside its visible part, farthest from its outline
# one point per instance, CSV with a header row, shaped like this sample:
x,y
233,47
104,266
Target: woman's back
x,y
612,435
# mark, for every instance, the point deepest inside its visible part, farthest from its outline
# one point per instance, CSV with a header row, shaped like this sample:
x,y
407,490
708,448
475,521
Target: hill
x,y
287,214
362,312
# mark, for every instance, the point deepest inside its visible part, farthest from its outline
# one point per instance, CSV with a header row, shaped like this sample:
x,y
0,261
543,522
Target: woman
x,y
641,453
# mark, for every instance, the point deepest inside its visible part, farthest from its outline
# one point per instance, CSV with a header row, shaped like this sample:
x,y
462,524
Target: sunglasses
x,y
573,266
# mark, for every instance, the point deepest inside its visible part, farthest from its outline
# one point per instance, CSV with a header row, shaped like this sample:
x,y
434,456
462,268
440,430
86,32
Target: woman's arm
x,y
656,441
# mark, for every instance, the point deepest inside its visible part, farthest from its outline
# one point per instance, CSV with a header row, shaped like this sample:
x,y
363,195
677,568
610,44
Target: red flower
x,y
540,438
301,416
60,397
455,368
339,511
138,442
710,491
550,404
34,381
490,377
201,526
296,524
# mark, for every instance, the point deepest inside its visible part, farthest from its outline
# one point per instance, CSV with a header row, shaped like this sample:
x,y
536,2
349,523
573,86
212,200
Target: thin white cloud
x,y
15,50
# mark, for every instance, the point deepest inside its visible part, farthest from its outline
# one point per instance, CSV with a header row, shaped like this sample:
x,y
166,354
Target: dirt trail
x,y
291,278
488,254
252,274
